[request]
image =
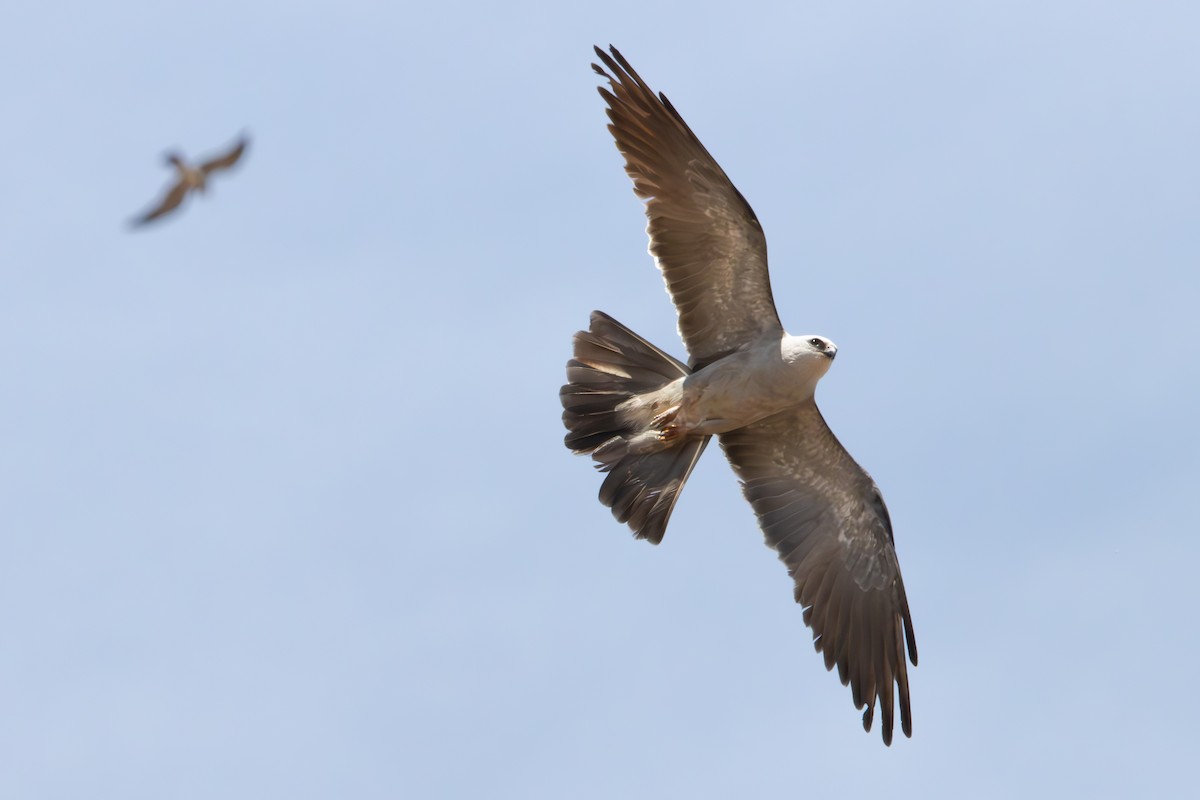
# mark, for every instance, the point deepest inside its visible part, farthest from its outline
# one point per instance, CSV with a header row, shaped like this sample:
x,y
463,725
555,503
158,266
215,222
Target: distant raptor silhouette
x,y
189,178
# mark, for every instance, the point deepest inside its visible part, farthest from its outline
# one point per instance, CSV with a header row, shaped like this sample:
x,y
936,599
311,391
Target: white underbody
x,y
774,374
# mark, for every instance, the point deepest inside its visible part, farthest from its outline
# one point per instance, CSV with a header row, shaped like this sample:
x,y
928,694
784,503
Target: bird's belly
x,y
726,397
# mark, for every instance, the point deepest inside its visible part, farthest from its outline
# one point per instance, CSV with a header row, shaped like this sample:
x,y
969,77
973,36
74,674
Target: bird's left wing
x,y
170,202
825,517
228,160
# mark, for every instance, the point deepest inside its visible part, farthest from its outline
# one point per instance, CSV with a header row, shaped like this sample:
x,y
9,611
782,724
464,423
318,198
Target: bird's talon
x,y
668,434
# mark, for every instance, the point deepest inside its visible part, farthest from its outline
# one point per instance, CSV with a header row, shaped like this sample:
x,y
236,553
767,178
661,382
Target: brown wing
x,y
824,515
704,235
170,202
228,160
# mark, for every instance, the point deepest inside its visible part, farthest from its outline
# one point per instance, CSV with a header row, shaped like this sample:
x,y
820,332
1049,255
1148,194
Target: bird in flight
x,y
189,178
645,417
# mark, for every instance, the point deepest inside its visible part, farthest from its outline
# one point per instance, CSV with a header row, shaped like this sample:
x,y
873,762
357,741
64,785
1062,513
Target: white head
x,y
814,349
821,346
813,355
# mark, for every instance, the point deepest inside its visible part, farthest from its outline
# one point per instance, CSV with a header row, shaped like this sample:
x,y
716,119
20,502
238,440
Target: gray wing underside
x,y
703,234
228,159
825,517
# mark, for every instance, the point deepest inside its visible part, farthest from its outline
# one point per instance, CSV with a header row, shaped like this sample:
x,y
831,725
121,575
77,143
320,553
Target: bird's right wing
x,y
228,160
703,234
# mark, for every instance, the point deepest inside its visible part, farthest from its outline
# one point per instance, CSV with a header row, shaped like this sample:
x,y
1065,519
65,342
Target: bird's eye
x,y
817,343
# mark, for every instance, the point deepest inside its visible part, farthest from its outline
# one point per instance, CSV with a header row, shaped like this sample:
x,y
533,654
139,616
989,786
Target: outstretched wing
x,y
824,515
170,202
228,160
703,234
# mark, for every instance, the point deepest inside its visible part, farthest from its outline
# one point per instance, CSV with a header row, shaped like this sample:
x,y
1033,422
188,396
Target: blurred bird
x,y
189,178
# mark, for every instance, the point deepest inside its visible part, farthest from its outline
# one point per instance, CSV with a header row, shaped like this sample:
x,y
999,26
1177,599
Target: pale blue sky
x,y
286,511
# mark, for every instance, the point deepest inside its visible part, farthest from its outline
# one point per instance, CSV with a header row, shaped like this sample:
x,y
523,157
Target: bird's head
x,y
820,346
811,355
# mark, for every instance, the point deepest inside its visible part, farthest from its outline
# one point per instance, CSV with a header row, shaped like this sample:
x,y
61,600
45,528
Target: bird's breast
x,y
743,388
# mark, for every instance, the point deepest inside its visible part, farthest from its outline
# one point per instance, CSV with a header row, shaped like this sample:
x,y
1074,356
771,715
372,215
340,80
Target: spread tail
x,y
608,406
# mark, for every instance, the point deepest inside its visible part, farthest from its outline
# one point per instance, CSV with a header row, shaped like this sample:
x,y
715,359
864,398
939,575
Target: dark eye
x,y
817,343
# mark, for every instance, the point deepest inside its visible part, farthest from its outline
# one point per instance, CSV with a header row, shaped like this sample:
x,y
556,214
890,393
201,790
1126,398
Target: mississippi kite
x,y
646,417
189,179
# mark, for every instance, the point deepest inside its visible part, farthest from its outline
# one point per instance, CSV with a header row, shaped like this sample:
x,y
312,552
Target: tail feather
x,y
613,365
641,490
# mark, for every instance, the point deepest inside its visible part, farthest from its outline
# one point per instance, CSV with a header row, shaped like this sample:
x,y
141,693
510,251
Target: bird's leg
x,y
668,431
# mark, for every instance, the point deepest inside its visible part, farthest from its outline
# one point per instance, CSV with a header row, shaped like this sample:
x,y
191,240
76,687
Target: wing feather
x,y
171,201
703,234
825,517
228,159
